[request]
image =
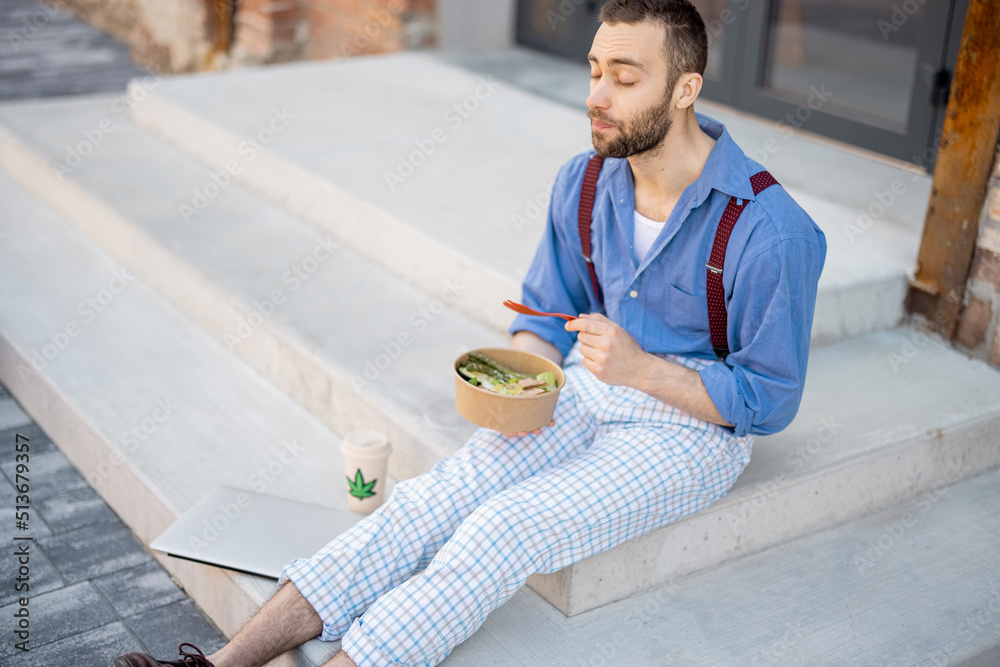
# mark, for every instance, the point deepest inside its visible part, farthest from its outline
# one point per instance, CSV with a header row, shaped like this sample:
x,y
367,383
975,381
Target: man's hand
x,y
524,433
609,352
615,358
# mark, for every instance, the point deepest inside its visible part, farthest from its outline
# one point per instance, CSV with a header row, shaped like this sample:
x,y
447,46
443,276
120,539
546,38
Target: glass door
x,y
725,23
564,27
869,72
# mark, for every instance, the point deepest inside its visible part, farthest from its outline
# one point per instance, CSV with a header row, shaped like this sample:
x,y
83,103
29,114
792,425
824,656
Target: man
x,y
650,427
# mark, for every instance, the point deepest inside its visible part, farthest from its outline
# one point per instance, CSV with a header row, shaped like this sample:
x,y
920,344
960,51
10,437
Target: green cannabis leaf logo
x,y
359,488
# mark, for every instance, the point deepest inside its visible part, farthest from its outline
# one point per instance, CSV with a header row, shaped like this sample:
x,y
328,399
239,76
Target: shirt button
x,y
633,294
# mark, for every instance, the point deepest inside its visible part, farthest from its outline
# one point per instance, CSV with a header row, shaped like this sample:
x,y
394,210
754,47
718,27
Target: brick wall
x,y
172,36
269,31
166,37
183,35
115,17
343,28
978,332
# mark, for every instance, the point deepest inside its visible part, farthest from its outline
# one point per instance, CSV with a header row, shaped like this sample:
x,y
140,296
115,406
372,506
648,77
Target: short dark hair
x,y
686,42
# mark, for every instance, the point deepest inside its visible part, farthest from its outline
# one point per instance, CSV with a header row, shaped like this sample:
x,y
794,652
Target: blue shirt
x,y
773,262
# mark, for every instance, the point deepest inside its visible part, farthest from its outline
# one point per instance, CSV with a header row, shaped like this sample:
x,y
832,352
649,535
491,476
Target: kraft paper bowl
x,y
509,414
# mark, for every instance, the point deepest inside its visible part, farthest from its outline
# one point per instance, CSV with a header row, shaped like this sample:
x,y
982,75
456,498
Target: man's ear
x,y
687,89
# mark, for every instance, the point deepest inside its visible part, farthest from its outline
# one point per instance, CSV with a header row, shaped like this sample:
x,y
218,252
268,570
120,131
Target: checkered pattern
x,y
616,465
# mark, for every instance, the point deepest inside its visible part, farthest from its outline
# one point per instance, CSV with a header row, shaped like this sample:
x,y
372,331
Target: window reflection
x,y
862,51
719,17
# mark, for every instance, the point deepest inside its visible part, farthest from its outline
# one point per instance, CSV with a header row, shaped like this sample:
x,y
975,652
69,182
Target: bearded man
x,y
691,341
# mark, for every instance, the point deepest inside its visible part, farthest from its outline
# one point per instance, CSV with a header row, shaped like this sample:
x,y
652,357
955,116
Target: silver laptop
x,y
250,532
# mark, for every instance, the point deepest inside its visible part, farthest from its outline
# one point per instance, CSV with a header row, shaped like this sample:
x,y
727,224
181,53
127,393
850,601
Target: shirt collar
x,y
725,170
726,167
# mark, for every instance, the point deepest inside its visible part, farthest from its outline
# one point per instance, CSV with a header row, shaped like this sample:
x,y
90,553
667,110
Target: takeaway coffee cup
x,y
366,460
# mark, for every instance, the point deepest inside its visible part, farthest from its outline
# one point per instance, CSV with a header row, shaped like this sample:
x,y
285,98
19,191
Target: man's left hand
x,y
609,352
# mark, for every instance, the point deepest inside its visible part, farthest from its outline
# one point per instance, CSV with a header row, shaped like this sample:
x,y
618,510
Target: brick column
x,y
269,31
181,35
344,28
171,36
977,328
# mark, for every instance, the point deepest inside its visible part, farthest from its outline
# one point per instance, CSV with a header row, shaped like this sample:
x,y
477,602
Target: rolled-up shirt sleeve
x,y
759,386
554,283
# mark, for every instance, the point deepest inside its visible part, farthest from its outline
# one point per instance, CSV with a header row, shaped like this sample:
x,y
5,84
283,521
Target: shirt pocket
x,y
685,312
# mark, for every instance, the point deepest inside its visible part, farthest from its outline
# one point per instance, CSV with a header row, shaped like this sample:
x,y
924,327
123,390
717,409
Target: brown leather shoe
x,y
188,659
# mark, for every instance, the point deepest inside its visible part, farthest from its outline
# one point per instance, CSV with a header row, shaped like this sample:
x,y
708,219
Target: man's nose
x,y
598,98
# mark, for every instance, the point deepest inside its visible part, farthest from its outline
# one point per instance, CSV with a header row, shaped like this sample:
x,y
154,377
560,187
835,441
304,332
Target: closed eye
x,y
595,77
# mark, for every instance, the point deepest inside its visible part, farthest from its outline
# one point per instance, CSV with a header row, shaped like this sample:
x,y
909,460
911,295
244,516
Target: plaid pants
x,y
419,576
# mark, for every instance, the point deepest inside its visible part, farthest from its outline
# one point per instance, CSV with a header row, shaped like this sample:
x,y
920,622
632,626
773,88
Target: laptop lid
x,y
251,532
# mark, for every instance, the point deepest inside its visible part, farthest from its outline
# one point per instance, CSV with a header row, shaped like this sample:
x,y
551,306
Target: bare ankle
x,y
223,657
231,655
284,622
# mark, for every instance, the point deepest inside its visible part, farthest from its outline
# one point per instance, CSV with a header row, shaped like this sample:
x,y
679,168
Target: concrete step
x,y
916,584
454,182
849,433
124,351
151,410
350,342
883,418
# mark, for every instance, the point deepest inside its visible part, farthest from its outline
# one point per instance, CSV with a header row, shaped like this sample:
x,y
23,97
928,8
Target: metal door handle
x,y
937,82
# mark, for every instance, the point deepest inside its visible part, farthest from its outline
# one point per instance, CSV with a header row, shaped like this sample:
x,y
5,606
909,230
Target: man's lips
x,y
598,126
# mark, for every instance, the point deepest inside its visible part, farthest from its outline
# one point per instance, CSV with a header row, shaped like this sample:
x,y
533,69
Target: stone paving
x,y
95,591
44,52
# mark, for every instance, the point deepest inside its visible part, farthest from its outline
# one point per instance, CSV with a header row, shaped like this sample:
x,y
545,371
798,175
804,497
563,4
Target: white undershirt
x,y
646,231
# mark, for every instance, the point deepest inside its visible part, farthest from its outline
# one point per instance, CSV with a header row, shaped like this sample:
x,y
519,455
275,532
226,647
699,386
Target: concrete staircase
x,y
281,255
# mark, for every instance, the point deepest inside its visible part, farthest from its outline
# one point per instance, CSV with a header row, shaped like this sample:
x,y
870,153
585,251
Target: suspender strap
x,y
761,181
587,194
718,318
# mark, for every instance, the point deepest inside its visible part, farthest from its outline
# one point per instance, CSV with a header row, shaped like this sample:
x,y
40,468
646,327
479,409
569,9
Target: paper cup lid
x,y
365,443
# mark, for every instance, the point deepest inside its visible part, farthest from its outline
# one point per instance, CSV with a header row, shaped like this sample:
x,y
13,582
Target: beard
x,y
638,135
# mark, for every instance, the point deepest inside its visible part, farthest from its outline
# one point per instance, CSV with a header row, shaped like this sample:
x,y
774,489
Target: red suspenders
x,y
587,194
716,297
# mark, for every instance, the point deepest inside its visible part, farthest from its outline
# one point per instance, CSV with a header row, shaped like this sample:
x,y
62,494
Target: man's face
x,y
630,106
